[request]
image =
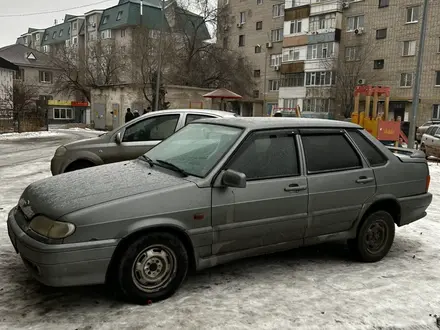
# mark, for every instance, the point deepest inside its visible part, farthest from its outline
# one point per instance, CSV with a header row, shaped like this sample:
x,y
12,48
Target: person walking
x,y
136,114
129,115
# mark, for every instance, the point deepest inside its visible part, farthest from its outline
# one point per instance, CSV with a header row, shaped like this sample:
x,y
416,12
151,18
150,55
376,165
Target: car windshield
x,y
196,148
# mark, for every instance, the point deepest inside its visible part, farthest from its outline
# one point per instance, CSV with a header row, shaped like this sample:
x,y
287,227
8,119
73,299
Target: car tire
x,y
375,237
78,165
152,268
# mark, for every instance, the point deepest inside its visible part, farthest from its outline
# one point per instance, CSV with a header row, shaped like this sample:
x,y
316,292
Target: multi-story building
x,y
312,33
392,30
255,29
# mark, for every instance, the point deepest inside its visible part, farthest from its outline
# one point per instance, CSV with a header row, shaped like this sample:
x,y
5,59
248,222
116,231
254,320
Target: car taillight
x,y
428,181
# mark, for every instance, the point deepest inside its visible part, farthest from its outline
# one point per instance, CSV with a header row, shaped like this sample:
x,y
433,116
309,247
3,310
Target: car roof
x,y
255,123
218,113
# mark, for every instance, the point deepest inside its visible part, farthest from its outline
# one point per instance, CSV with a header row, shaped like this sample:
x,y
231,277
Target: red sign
x,y
80,104
388,131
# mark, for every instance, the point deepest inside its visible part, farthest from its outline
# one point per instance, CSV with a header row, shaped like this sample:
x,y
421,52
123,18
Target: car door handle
x,y
295,187
364,179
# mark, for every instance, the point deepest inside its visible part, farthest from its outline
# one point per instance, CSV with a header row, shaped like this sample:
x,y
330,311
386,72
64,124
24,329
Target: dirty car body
x,y
128,141
216,191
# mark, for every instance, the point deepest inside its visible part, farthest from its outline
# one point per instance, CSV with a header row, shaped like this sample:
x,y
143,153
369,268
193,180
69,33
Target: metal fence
x,y
23,121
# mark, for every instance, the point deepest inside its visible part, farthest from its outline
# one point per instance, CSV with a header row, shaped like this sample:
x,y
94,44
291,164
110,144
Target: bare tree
x,y
20,97
80,70
351,68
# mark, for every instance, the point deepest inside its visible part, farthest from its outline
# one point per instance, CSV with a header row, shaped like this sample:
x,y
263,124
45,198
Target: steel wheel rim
x,y
154,268
376,236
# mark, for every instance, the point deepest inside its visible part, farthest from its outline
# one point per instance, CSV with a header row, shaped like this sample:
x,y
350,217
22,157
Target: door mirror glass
x,y
118,138
234,179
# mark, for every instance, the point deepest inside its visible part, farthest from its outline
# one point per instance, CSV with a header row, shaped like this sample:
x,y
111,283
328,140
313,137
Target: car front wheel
x,y
152,268
375,237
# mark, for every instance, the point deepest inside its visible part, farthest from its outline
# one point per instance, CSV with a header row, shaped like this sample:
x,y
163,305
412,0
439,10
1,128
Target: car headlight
x,y
60,151
50,228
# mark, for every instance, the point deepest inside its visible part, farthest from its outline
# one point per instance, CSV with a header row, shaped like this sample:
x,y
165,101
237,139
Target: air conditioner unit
x,y
93,24
239,25
345,5
269,45
359,31
361,81
276,68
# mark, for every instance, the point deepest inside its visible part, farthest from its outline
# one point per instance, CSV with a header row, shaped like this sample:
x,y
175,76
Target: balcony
x,y
323,7
292,67
315,37
295,41
295,13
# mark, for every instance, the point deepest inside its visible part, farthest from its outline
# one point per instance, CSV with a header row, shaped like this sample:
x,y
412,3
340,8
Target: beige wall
x,y
127,97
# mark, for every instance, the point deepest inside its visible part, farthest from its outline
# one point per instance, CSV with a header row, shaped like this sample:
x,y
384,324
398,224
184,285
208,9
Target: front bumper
x,y
414,208
62,264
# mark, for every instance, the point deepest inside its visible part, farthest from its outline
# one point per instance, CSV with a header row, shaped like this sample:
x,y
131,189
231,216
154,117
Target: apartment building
x,y
255,29
391,28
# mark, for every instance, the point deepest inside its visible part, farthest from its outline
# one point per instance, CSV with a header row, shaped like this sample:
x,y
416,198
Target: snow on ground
x,y
27,135
309,288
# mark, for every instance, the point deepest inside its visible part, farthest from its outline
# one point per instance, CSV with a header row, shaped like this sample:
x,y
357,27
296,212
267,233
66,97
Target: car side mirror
x,y
234,179
118,138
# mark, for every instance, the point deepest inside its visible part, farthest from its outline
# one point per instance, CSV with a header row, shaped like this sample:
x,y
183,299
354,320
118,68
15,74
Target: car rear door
x,y
144,134
272,209
338,178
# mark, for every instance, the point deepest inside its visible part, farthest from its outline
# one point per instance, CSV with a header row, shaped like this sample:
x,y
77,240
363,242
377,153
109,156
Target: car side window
x,y
373,155
430,130
151,129
191,117
329,152
267,155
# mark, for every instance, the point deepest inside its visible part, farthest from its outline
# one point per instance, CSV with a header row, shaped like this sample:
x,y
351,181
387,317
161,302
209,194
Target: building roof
x,y
255,123
22,56
191,24
128,13
5,64
57,33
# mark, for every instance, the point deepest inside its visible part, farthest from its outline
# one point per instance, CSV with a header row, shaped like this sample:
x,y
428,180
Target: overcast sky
x,y
12,27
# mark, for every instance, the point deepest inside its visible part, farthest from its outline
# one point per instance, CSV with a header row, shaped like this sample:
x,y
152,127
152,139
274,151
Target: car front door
x,y
143,135
272,209
339,180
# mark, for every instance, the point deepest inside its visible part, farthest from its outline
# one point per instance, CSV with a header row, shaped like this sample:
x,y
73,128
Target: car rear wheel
x,y
375,237
152,268
79,165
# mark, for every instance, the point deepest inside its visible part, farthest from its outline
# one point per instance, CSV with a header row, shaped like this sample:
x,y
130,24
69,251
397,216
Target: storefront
x,y
66,112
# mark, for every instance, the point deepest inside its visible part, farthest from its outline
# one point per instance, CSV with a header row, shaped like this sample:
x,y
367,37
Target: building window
x,y
242,17
105,19
320,51
61,33
317,105
74,26
327,21
319,78
60,113
274,85
46,48
241,40
54,35
406,79
412,14
352,54
37,37
409,48
259,2
257,49
225,42
381,34
355,22
256,93
295,26
275,60
46,36
257,73
290,104
293,80
384,3
379,64
106,34
291,54
122,33
436,111
45,76
259,25
277,10
74,40
437,78
119,16
276,35
19,75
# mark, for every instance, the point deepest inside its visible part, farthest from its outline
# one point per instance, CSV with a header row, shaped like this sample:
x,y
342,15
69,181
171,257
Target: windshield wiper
x,y
172,166
147,159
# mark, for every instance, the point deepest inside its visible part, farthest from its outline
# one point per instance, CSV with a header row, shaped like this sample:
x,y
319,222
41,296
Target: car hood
x,y
89,141
62,194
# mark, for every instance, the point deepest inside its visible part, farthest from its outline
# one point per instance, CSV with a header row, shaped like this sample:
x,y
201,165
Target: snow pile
x,y
27,135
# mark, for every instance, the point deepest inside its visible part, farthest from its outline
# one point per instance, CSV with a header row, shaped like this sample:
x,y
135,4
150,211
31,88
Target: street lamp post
x,y
159,61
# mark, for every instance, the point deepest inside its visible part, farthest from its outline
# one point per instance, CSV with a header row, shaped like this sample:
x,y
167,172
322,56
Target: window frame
x,y
359,131
119,15
329,131
410,42
385,34
72,112
150,118
412,14
242,17
406,79
376,65
296,144
437,79
259,25
384,3
278,10
196,114
44,74
435,107
241,40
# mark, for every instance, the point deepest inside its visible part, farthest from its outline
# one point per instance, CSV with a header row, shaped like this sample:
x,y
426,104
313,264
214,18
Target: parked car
x,y
128,141
422,129
215,191
430,143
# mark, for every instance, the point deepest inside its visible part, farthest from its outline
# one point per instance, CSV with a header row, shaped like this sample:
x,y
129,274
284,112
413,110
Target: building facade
x,y
7,71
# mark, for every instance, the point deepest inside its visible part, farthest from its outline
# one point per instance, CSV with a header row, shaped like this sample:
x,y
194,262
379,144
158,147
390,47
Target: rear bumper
x,y
62,264
413,208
